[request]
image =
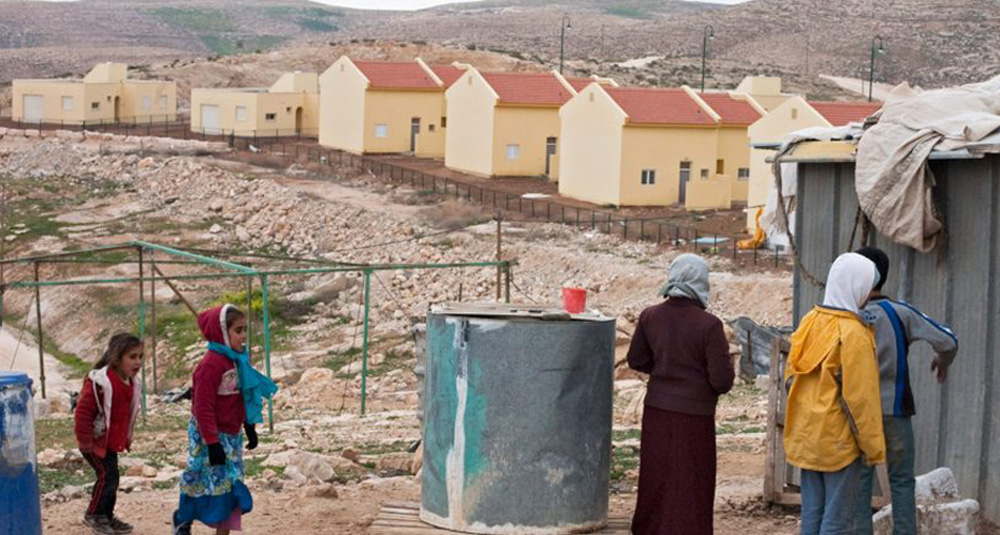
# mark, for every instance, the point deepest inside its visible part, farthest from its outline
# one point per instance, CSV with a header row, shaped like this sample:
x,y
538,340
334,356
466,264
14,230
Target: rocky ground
x,y
330,465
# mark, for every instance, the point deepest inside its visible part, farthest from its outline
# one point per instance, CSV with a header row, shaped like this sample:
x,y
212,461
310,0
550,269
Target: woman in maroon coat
x,y
684,350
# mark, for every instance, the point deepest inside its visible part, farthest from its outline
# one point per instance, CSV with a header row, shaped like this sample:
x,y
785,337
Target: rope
x,y
783,215
20,334
354,344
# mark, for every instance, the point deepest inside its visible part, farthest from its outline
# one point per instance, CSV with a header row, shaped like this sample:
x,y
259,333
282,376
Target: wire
x,y
354,344
407,240
20,334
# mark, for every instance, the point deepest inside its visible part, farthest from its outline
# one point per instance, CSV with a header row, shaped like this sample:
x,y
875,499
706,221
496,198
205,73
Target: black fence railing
x,y
658,230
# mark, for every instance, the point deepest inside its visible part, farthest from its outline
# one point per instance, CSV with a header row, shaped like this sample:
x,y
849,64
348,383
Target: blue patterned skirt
x,y
212,494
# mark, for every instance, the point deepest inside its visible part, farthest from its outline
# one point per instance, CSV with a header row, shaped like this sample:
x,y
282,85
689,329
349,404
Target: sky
x,y
422,4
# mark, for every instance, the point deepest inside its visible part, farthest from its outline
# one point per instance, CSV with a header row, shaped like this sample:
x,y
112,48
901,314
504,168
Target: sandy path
x,y
25,358
881,91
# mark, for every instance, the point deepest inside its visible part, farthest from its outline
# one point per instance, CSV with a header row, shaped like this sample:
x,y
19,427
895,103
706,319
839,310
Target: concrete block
x,y
936,485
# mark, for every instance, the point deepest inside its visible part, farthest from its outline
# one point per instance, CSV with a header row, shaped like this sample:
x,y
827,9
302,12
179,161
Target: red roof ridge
x,y
659,106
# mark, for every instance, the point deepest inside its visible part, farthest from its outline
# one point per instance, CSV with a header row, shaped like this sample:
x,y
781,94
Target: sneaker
x,y
119,526
99,525
183,529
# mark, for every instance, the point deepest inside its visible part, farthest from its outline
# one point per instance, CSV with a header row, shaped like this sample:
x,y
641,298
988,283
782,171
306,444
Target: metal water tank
x,y
517,420
20,506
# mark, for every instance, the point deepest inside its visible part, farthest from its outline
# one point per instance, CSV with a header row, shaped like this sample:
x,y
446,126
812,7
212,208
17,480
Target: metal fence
x,y
653,229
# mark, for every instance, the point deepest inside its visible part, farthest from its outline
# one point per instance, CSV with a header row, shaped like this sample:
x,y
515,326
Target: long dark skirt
x,y
676,474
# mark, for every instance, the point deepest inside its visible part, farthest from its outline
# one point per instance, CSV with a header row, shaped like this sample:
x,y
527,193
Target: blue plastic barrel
x,y
20,507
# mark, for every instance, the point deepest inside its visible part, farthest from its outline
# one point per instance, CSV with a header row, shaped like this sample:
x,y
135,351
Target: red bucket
x,y
574,300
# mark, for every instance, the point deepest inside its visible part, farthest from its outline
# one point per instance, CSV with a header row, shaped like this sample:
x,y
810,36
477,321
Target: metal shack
x,y
958,423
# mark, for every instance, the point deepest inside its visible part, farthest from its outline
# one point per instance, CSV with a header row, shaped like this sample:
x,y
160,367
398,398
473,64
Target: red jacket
x,y
216,400
92,418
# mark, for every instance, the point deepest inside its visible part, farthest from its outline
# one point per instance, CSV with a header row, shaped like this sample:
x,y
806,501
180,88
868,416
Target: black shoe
x,y
98,524
183,529
120,527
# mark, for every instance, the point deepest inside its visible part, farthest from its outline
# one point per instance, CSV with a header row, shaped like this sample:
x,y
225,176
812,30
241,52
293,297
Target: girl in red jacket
x,y
226,399
104,418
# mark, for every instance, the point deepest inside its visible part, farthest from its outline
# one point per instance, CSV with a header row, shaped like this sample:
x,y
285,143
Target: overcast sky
x,y
422,4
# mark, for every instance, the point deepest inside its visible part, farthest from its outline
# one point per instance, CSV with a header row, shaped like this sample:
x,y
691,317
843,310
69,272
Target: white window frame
x,y
147,103
241,114
512,151
743,174
270,117
164,101
648,177
67,104
381,130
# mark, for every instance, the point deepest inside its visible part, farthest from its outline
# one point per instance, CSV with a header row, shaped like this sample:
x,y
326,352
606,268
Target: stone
x,y
762,382
395,463
149,471
70,492
351,454
937,484
216,229
327,491
940,509
217,205
292,473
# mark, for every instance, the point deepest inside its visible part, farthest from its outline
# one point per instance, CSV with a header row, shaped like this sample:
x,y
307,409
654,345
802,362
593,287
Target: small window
x,y
720,167
163,102
744,173
513,152
288,109
95,105
430,128
444,122
381,130
241,114
704,174
795,113
270,117
591,96
147,103
648,177
67,103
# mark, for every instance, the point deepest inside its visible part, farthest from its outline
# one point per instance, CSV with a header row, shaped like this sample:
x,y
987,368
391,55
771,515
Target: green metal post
x,y
264,287
142,333
506,270
364,345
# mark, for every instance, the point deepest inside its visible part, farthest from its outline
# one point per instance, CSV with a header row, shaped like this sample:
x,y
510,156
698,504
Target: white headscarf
x,y
851,279
688,278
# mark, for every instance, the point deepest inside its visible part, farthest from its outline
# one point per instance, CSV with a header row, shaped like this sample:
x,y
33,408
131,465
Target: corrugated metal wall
x,y
958,423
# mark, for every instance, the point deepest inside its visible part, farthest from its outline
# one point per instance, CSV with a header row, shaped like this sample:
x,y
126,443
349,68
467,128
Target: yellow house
x,y
385,107
630,146
507,124
795,114
736,113
104,95
765,90
290,107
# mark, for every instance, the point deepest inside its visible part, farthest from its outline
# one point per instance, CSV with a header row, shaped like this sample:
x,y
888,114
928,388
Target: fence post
x,y
625,229
364,347
659,233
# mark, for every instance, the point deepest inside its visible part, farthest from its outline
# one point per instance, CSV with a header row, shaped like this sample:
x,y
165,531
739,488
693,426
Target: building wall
x,y
663,149
469,136
772,128
712,194
396,110
957,423
591,148
529,128
104,95
51,93
258,105
133,93
342,107
734,150
432,144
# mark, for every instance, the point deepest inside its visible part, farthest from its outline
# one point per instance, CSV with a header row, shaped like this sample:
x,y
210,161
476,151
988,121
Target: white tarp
x,y
892,177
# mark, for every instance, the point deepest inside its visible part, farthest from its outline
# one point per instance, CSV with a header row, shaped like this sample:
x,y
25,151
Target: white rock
x,y
216,229
71,492
935,485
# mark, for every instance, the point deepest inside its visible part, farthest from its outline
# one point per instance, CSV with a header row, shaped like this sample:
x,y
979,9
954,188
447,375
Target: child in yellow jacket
x,y
833,423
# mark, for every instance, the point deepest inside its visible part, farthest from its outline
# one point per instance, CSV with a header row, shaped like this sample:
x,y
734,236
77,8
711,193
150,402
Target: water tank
x,y
20,508
517,420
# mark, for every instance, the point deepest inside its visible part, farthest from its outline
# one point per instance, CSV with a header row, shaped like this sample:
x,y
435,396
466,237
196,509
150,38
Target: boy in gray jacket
x,y
897,326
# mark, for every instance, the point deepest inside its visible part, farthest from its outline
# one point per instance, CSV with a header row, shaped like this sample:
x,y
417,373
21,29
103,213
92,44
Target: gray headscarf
x,y
688,278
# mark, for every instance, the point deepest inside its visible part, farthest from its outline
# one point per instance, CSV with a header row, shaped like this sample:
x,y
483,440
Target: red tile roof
x,y
396,75
542,89
659,106
732,110
447,73
842,113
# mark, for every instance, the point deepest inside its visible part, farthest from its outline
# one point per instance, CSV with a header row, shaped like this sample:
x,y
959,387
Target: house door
x,y
685,177
211,119
33,108
414,130
118,103
550,151
298,120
